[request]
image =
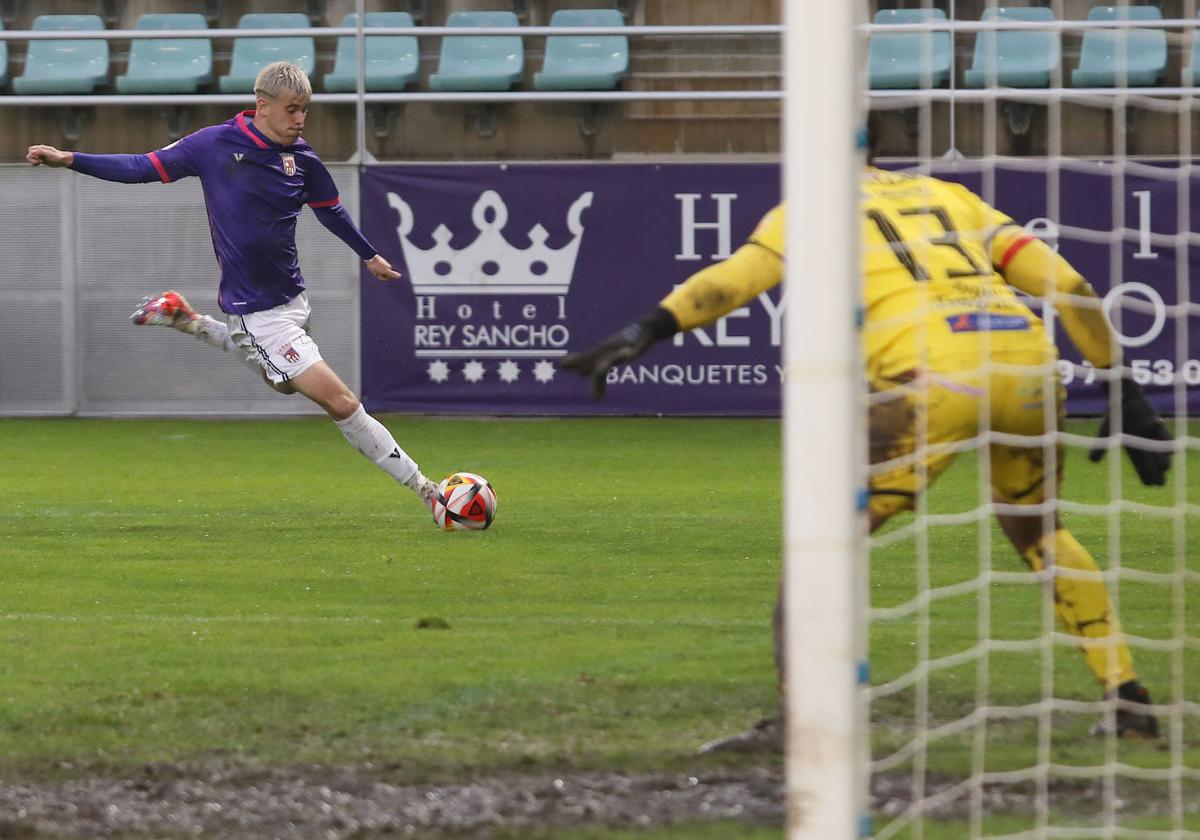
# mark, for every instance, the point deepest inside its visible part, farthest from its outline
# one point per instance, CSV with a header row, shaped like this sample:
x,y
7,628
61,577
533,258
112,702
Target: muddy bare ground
x,y
173,801
314,802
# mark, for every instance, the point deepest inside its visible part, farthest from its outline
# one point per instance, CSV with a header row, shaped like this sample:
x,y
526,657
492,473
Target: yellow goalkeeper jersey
x,y
932,295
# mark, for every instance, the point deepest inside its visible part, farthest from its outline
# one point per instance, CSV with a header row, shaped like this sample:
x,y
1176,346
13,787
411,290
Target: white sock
x,y
213,333
216,334
372,439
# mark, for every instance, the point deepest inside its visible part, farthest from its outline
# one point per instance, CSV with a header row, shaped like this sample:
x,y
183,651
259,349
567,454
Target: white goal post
x,y
826,785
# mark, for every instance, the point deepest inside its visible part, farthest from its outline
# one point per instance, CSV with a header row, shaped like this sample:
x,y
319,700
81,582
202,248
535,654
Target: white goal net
x,y
983,719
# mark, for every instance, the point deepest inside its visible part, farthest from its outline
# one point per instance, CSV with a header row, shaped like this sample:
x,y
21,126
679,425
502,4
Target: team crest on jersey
x,y
289,352
289,163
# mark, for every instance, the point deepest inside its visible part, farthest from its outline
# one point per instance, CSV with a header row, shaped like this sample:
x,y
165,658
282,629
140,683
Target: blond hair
x,y
280,77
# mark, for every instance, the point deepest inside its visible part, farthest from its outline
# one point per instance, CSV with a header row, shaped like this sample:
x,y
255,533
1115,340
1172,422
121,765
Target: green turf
x,y
249,591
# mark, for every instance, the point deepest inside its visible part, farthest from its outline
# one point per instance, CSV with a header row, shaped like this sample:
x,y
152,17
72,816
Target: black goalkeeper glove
x,y
620,347
1138,418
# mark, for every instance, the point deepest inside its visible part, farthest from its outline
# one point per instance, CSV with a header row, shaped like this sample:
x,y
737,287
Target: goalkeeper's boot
x,y
766,736
170,309
1134,719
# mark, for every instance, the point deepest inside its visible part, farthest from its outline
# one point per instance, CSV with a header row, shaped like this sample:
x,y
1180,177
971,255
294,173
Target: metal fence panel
x,y
34,369
81,253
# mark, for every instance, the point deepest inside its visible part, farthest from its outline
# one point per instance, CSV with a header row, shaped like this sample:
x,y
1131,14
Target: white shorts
x,y
277,339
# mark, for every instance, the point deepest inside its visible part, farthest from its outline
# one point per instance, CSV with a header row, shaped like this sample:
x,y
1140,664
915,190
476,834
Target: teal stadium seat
x,y
168,65
1145,50
66,66
1018,58
906,60
479,62
3,59
584,62
253,54
392,61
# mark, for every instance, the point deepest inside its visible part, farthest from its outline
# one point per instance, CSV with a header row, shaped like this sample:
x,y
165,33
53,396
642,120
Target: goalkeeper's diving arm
x,y
704,297
1035,268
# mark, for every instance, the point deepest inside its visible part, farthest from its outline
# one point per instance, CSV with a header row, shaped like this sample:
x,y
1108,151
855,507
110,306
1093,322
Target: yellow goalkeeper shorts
x,y
919,421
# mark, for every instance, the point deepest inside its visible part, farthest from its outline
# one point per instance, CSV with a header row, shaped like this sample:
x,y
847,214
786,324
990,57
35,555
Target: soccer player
x,y
946,338
258,173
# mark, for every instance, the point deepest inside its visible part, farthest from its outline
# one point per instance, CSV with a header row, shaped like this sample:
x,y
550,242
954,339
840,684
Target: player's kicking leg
x,y
171,309
291,359
275,345
371,438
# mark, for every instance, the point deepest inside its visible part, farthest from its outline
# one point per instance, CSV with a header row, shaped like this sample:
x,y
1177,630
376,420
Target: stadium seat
x,y
66,66
584,62
909,59
3,59
168,65
1018,58
1145,50
479,62
391,60
253,54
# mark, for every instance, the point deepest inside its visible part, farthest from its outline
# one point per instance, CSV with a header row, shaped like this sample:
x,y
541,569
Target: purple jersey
x,y
254,189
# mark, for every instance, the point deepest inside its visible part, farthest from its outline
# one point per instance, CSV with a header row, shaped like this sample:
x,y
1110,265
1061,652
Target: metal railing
x,y
361,98
419,31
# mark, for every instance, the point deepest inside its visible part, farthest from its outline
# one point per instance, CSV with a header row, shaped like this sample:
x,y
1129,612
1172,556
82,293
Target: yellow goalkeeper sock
x,y
1083,606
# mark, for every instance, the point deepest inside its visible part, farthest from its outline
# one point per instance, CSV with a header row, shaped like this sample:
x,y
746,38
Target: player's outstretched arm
x,y
124,169
335,218
382,269
1036,269
43,155
703,298
1139,419
620,347
714,292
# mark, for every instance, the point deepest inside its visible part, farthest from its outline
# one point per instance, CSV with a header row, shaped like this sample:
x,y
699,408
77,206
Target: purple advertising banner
x,y
508,267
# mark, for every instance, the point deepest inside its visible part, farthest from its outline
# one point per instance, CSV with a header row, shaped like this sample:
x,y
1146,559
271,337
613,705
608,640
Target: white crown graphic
x,y
490,265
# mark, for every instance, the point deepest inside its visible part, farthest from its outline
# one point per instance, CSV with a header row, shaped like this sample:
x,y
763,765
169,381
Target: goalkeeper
x,y
946,342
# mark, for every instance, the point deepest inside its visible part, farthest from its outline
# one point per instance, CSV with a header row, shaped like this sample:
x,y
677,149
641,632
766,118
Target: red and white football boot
x,y
170,309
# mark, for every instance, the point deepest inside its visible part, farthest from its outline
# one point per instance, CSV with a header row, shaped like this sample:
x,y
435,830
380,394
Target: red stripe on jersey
x,y
162,172
1013,250
241,121
331,202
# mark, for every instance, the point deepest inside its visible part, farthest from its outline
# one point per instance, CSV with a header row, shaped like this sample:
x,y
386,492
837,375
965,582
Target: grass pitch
x,y
251,593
